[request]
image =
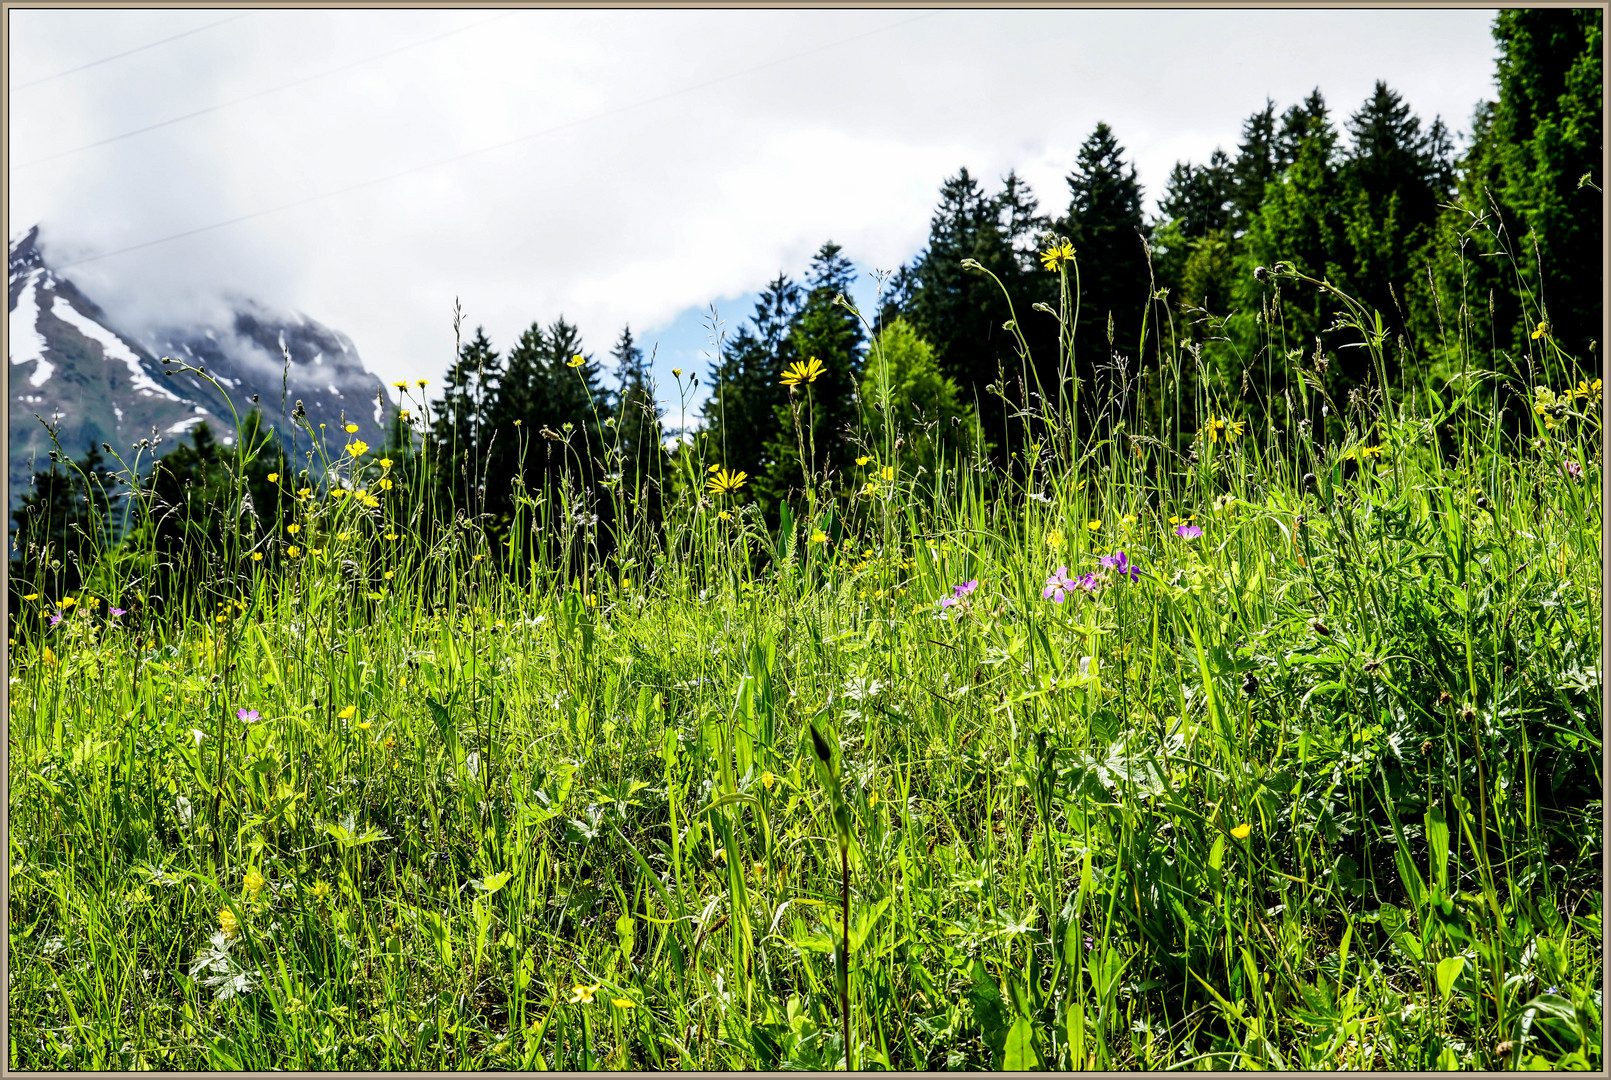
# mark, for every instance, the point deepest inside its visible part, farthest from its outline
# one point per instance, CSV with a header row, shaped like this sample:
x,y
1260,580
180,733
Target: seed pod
x,y
1309,479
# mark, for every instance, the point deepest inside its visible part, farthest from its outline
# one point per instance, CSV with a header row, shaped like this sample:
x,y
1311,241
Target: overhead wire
x,y
127,52
454,158
254,95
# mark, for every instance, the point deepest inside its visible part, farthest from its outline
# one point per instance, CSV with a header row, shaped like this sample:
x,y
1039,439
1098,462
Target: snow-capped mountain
x,y
96,382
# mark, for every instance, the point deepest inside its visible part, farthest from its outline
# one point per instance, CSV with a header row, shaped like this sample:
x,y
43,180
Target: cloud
x,y
618,166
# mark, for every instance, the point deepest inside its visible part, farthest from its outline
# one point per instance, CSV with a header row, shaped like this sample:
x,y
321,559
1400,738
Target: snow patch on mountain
x,y
112,348
27,344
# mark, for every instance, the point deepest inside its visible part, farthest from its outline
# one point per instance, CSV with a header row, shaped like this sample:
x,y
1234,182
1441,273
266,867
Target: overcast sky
x,y
615,166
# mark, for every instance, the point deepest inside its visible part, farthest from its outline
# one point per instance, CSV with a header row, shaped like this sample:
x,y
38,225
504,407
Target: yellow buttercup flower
x,y
274,478
348,712
806,372
385,462
1242,831
575,361
257,556
357,447
768,778
351,428
623,1003
293,528
583,995
863,460
1094,526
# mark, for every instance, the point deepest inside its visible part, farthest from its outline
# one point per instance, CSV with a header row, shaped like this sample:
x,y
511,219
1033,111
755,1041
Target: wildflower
x,y
819,537
1215,427
246,716
55,620
32,596
49,657
676,372
117,612
1188,532
798,372
583,995
1586,389
227,922
722,480
575,361
257,556
1120,563
1573,469
390,744
357,447
391,536
365,725
1057,253
1058,586
1241,831
305,493
863,460
623,1003
352,429
253,883
872,798
401,385
768,778
320,890
385,462
293,551
274,478
1054,539
67,602
1094,526
347,713
724,516
419,382
1541,330
293,528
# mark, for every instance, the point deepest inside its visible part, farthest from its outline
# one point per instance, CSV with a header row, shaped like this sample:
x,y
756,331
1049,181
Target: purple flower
x,y
246,715
1058,586
1086,582
56,619
965,589
1188,532
1573,469
115,612
961,594
1121,564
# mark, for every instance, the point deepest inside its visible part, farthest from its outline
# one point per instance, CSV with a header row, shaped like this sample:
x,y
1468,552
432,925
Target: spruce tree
x,y
637,455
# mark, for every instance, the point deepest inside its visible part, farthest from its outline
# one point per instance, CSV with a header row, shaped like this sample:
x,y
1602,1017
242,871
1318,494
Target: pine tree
x,y
1105,224
1255,166
640,454
740,414
461,424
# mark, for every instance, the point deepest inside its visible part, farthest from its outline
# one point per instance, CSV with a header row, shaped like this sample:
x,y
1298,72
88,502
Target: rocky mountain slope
x,y
95,382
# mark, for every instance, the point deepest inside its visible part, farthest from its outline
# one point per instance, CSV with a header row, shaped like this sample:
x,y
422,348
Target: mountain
x,y
96,382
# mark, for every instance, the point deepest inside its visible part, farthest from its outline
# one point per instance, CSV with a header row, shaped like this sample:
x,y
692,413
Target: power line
x,y
130,52
495,146
254,95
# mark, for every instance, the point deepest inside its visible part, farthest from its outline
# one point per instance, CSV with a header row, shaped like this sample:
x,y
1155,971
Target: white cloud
x,y
678,156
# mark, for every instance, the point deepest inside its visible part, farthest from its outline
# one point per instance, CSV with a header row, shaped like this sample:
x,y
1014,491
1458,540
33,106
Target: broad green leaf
x,y
1449,969
1019,1053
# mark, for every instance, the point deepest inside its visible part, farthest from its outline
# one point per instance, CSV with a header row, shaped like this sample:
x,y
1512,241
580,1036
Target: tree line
x,y
1479,253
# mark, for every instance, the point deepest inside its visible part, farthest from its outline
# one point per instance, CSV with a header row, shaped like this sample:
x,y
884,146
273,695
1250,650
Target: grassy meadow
x,y
1226,748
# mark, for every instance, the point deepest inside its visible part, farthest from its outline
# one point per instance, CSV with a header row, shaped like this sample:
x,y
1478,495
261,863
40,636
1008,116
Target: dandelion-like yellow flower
x,y
32,596
293,551
1057,255
676,372
401,385
419,382
575,361
357,447
722,481
806,372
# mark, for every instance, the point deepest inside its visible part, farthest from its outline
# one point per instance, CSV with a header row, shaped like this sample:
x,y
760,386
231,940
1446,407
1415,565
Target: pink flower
x,y
1058,586
1188,532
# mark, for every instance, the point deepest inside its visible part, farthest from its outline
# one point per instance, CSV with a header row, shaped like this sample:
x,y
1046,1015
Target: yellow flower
x,y
819,537
351,428
257,556
32,596
1094,526
274,478
365,725
293,551
575,361
401,385
293,528
253,883
1054,539
724,516
320,890
768,778
1057,254
348,712
807,372
1542,330
385,462
419,382
306,493
391,536
1241,831
388,575
49,657
623,1003
583,995
228,923
676,372
724,481
887,472
68,601
357,447
1128,519
863,460
714,468
872,798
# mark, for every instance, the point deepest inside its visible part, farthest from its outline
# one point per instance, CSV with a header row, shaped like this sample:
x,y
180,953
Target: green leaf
x,y
1019,1053
1449,969
1437,839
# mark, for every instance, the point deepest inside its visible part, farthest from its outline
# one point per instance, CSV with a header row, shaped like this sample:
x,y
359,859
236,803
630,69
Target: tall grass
x,y
1316,788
